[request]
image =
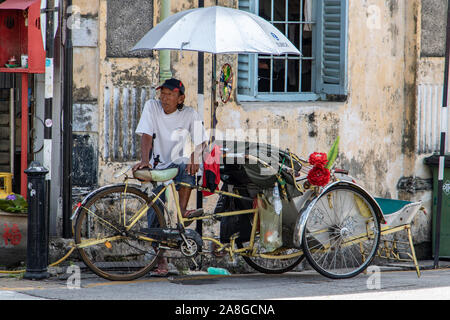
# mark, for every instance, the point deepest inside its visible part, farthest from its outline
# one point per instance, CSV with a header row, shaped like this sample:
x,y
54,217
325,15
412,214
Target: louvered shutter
x,y
332,47
246,62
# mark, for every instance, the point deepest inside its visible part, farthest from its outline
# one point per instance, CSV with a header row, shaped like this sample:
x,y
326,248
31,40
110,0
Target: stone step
x,y
4,120
4,158
4,133
5,168
4,145
4,107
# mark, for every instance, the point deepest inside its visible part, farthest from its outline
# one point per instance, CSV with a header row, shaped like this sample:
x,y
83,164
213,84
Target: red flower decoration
x,y
318,159
319,176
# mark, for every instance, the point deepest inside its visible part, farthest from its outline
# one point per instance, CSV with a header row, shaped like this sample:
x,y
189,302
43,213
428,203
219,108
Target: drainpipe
x,y
164,55
67,127
48,102
444,126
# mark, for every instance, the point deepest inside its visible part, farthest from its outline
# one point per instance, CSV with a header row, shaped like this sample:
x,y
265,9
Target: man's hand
x,y
196,156
192,168
146,145
141,165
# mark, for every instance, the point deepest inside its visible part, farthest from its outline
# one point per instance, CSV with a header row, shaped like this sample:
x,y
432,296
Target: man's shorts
x,y
183,175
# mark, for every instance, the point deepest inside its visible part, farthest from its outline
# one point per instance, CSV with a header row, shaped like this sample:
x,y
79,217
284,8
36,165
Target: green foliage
x,y
332,154
14,203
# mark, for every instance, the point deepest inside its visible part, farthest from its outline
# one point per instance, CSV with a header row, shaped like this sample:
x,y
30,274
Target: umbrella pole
x,y
214,103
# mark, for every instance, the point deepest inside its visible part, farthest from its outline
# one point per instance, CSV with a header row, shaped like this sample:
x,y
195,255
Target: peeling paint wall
x,y
376,123
86,60
110,89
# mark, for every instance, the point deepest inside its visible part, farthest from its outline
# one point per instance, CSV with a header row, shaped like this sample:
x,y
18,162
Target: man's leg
x,y
151,214
184,194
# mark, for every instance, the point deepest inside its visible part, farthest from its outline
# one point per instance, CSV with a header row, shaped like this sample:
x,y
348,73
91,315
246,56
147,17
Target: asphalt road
x,y
305,285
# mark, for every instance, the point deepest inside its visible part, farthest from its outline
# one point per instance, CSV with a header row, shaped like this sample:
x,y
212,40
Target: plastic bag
x,y
270,225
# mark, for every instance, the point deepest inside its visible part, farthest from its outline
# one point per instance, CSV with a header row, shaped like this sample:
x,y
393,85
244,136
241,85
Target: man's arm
x,y
196,158
146,146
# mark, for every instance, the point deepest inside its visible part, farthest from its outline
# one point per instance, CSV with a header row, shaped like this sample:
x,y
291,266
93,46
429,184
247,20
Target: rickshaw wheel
x,y
122,256
272,266
342,233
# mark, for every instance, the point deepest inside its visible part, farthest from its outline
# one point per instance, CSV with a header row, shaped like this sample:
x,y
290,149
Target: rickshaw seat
x,y
399,215
155,175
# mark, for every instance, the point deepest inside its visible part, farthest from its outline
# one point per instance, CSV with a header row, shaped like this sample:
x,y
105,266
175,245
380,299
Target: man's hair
x,y
180,105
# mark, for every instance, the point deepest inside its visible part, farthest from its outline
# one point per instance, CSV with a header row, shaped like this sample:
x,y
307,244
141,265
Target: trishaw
x,y
336,226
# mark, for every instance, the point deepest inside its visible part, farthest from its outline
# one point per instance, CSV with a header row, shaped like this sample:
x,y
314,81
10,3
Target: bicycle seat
x,y
147,174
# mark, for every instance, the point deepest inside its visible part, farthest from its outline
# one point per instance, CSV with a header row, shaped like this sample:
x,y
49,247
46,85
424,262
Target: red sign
x,y
12,235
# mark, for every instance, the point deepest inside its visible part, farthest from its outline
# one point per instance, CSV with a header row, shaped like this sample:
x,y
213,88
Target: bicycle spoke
x,y
342,246
105,246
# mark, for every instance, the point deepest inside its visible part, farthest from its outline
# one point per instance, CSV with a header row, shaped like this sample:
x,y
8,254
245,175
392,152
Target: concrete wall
x,y
434,17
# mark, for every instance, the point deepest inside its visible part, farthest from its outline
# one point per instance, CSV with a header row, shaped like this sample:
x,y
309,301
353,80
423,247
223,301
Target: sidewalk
x,y
59,275
423,265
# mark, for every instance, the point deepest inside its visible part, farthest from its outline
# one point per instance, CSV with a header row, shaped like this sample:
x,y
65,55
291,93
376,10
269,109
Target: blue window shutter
x,y
332,29
246,62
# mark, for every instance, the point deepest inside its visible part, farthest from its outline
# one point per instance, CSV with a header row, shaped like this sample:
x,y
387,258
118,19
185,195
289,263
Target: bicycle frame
x,y
248,250
125,221
136,217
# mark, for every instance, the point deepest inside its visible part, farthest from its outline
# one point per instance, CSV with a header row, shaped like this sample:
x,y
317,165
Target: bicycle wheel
x,y
106,247
279,261
342,233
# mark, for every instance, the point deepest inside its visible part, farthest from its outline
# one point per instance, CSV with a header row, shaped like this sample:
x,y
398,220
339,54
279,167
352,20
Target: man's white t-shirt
x,y
172,133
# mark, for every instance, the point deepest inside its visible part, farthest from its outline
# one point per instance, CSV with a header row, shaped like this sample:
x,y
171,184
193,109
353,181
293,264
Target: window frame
x,y
320,91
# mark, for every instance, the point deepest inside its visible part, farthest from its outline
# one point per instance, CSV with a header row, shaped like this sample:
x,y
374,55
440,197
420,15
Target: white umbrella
x,y
217,30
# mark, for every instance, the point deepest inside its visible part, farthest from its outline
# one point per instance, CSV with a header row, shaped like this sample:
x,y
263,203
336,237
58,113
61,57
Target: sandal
x,y
193,213
189,214
218,253
160,272
163,268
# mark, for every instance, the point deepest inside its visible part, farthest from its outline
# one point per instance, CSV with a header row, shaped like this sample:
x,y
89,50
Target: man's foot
x,y
160,272
216,250
189,214
163,268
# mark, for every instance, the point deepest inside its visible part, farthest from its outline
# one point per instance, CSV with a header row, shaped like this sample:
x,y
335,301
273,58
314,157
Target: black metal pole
x,y
37,242
200,93
67,128
442,147
48,106
214,103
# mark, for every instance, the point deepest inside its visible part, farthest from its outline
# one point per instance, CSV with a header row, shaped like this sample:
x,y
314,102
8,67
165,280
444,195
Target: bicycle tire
x,y
343,244
257,263
270,265
125,258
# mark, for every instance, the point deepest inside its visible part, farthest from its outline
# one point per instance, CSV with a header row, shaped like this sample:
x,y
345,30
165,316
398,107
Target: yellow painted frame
x,y
230,249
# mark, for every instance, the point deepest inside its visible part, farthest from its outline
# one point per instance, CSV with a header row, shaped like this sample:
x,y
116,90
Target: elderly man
x,y
164,126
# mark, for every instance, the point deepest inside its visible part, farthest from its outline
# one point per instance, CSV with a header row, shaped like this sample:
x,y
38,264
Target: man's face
x,y
170,99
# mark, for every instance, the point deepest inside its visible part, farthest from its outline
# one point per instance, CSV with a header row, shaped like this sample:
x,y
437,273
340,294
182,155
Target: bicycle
x,y
337,228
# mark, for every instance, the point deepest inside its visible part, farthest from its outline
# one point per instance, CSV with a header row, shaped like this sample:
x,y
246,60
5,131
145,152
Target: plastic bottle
x,y
219,271
277,200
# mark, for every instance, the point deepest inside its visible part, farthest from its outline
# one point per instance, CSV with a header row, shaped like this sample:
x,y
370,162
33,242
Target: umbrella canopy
x,y
217,30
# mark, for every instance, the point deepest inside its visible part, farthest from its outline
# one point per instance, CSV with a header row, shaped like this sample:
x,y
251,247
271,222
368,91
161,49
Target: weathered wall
x,y
110,84
434,15
376,123
85,92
